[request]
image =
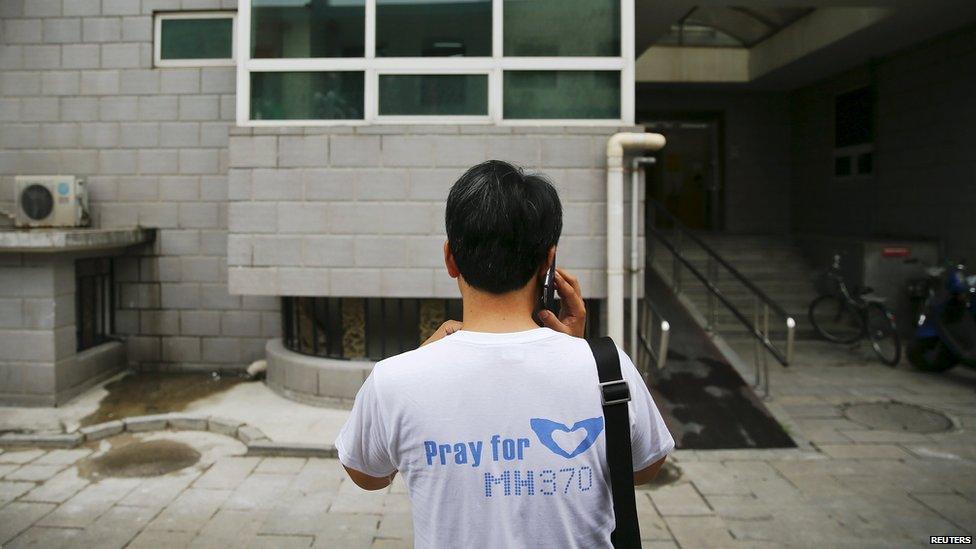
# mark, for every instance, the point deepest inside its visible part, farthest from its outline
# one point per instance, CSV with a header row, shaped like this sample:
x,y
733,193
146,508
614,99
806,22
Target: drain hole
x,y
897,416
140,459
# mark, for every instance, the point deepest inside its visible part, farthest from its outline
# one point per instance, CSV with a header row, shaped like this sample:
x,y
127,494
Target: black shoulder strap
x,y
615,395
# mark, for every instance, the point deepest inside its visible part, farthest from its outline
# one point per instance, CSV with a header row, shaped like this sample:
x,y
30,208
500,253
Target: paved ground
x,y
249,402
846,485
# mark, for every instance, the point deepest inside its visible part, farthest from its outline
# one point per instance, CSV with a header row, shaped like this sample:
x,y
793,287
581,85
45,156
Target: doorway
x,y
687,179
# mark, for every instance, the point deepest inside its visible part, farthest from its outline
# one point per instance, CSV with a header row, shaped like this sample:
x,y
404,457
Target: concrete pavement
x,y
846,486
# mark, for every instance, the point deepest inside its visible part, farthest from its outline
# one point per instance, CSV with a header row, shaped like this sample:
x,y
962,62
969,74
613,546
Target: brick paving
x,y
845,486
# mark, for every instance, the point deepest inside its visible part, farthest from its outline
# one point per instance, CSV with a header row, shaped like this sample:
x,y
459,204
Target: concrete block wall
x,y
924,185
39,365
755,148
341,211
79,95
37,328
31,314
360,211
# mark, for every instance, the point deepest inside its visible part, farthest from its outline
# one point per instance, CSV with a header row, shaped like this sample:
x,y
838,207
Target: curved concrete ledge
x,y
42,240
253,438
314,380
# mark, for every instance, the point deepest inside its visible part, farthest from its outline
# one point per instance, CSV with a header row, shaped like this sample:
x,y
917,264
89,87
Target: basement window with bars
x,y
325,62
356,328
94,302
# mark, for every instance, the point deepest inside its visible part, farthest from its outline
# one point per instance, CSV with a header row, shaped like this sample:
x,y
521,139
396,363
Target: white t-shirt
x,y
499,438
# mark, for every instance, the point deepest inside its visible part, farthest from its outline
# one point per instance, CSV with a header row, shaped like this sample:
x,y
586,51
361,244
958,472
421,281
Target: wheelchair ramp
x,y
705,402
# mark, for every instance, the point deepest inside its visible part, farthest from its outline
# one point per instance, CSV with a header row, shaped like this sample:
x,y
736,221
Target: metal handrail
x,y
760,336
659,357
717,258
754,331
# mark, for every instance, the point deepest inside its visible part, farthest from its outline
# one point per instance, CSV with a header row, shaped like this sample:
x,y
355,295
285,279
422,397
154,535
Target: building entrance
x,y
687,177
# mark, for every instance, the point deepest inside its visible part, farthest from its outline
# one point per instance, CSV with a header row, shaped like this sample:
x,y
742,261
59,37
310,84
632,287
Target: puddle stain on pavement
x,y
129,457
144,393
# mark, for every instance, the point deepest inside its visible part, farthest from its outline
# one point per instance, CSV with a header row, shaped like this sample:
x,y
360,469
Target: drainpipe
x,y
618,143
635,267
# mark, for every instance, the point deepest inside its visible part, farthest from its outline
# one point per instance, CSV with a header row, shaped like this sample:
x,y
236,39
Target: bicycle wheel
x,y
883,333
930,355
835,319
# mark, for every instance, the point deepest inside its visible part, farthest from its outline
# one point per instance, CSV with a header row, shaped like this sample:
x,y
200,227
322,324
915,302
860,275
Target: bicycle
x,y
845,316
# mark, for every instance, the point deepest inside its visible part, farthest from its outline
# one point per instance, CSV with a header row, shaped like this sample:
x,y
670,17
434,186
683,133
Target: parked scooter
x,y
945,334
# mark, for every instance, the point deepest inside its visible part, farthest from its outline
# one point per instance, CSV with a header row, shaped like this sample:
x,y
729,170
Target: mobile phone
x,y
548,297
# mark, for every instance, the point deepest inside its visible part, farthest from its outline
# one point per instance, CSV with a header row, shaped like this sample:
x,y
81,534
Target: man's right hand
x,y
572,309
446,329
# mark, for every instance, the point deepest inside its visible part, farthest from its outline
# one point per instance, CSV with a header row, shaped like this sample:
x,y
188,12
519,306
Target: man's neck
x,y
511,312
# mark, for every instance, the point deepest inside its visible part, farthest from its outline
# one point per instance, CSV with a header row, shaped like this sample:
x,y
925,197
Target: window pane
x,y
208,38
864,163
308,28
433,28
842,165
430,94
306,95
854,118
562,28
562,94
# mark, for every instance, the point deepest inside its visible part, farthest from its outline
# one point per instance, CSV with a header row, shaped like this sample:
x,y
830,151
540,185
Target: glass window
x,y
842,166
854,118
308,28
204,38
730,26
318,61
865,163
562,28
434,94
562,94
433,28
307,95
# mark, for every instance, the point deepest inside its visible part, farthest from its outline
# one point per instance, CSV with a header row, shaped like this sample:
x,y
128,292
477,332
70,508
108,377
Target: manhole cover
x,y
897,416
141,459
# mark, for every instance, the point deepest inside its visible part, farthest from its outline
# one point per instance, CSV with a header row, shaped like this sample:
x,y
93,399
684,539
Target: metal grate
x,y
94,302
371,328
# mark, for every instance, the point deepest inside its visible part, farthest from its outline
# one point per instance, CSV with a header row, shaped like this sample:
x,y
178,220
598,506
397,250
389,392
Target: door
x,y
687,177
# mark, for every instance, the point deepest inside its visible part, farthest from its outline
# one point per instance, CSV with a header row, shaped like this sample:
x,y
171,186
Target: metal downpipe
x,y
616,147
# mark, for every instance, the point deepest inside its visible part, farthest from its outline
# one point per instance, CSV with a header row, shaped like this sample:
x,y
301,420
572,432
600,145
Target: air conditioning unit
x,y
50,201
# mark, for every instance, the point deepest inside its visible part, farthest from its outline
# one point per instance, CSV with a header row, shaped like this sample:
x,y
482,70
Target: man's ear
x,y
550,257
452,269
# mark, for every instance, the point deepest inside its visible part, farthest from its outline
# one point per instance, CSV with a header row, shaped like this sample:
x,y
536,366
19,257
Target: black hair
x,y
501,223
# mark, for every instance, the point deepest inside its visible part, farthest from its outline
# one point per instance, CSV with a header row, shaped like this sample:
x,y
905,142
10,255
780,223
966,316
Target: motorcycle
x,y
945,333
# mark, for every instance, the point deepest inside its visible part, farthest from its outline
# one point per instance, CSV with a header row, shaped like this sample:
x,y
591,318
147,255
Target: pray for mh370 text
x,y
462,453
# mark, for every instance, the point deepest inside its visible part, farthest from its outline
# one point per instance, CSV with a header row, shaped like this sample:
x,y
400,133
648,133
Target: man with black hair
x,y
496,423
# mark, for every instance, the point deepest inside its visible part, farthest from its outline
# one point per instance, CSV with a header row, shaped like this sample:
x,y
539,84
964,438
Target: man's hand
x,y
646,475
572,310
367,482
446,329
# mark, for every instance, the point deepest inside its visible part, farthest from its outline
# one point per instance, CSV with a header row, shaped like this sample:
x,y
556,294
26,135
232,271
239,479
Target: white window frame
x,y
854,152
493,66
158,19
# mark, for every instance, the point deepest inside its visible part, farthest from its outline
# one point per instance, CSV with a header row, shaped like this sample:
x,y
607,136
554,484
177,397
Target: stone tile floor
x,y
845,486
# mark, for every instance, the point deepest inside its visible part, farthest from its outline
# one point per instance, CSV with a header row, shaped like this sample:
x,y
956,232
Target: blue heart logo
x,y
544,428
